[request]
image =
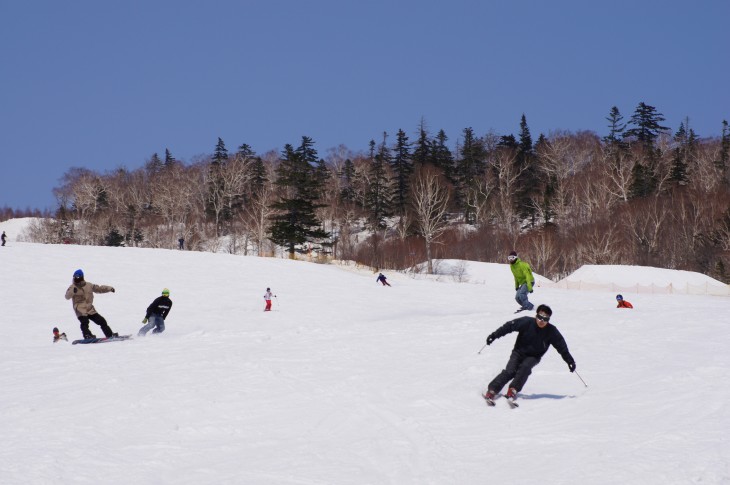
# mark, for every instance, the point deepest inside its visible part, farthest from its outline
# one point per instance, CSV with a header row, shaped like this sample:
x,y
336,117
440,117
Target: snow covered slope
x,y
346,382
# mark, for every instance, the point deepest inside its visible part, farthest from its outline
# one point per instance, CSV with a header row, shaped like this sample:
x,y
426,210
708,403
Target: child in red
x,y
623,303
267,297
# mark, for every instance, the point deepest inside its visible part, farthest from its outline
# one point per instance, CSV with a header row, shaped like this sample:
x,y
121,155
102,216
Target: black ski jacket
x,y
534,341
161,306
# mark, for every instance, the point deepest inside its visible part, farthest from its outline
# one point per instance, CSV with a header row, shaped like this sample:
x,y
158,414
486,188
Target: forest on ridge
x,y
643,194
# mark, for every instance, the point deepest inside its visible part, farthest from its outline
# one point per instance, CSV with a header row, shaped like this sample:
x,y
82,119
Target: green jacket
x,y
523,274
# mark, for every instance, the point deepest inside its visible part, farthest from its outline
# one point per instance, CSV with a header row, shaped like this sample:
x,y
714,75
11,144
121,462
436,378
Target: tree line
x,y
644,194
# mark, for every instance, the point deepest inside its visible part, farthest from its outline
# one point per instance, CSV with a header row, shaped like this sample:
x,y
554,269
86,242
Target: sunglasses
x,y
544,318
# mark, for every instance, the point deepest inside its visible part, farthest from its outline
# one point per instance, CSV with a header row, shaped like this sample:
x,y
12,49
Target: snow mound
x,y
642,279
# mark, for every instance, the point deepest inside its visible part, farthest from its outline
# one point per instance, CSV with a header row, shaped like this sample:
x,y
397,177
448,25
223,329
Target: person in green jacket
x,y
524,281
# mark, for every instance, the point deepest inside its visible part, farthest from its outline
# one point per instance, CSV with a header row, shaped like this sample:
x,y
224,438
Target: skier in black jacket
x,y
535,336
156,314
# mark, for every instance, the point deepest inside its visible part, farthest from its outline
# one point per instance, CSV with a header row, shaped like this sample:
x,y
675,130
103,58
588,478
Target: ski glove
x,y
112,290
491,339
145,320
571,366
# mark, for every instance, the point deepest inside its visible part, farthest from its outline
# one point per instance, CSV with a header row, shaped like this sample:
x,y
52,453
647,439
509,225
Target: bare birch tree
x,y
430,200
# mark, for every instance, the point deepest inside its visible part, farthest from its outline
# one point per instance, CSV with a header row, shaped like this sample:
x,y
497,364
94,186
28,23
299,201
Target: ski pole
x,y
581,379
480,350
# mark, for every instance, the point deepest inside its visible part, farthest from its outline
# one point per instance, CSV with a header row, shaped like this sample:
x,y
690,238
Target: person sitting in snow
x,y
535,336
81,294
623,303
267,298
524,281
381,278
156,314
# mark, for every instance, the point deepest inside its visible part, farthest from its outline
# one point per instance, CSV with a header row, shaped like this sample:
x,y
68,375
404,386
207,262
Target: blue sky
x,y
107,84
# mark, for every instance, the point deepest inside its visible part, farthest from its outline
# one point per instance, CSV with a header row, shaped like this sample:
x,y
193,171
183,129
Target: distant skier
x,y
535,336
381,278
81,294
623,303
524,281
181,243
267,298
156,314
4,238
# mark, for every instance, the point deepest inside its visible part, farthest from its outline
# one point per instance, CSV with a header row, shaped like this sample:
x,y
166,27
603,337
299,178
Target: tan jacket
x,y
82,296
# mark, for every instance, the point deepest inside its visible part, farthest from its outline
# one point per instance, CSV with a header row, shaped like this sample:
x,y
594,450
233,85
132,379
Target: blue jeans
x,y
155,321
521,298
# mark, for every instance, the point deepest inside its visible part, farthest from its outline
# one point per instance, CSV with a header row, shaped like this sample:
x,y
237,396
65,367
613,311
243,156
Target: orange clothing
x,y
624,304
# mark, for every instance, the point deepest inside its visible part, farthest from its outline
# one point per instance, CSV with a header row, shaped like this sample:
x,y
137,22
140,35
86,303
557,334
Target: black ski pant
x,y
519,367
97,319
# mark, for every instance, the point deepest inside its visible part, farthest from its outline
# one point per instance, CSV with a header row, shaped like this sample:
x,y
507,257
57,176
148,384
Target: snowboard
x,y
102,340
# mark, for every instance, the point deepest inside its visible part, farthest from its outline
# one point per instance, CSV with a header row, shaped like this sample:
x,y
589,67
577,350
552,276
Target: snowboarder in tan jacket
x,y
81,294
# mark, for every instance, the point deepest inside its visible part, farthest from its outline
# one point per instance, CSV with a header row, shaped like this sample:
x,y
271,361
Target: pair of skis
x,y
510,400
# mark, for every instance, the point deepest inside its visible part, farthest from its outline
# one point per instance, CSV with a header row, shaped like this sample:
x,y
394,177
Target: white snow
x,y
14,228
346,381
639,275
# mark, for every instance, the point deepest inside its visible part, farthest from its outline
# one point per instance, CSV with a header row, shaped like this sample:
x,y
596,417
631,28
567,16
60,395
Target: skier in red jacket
x,y
623,303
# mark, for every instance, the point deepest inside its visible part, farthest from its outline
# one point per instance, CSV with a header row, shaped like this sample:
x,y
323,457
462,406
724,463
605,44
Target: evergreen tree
x,y
296,222
616,128
508,141
643,181
469,168
528,183
347,194
402,170
686,146
220,155
258,175
245,151
154,165
257,168
169,160
441,156
422,150
722,162
646,128
378,199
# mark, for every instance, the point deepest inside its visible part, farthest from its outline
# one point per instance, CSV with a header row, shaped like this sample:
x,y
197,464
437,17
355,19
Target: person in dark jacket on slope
x,y
534,337
156,314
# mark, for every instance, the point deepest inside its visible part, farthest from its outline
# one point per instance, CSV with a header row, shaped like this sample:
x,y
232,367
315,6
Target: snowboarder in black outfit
x,y
156,314
4,238
535,336
381,278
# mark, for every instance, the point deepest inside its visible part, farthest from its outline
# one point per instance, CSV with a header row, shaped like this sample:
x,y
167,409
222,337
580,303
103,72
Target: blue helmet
x,y
78,274
619,297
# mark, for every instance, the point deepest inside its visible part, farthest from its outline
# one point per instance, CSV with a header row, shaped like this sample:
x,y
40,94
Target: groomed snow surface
x,y
346,381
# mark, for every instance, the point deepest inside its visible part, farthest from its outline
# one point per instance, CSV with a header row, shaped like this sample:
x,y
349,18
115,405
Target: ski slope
x,y
346,381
